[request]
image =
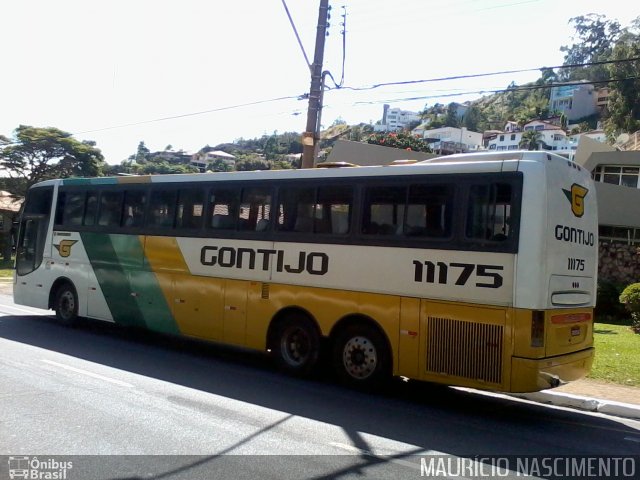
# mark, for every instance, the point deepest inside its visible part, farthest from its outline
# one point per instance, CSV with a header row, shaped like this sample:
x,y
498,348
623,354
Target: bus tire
x,y
296,345
361,357
65,304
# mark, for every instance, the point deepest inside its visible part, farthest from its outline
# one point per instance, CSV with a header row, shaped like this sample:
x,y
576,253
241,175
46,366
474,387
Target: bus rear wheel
x,y
296,345
66,304
361,357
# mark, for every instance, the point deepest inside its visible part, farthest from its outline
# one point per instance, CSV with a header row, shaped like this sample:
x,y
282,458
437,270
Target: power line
x,y
174,117
295,31
192,114
477,75
502,90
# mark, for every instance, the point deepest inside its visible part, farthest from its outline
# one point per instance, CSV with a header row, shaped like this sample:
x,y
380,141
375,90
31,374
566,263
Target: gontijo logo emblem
x,y
576,197
64,247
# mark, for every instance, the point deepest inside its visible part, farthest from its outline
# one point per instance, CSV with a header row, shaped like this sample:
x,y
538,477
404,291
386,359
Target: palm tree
x,y
531,140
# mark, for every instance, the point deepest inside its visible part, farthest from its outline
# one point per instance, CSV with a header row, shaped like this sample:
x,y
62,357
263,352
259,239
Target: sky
x,y
191,73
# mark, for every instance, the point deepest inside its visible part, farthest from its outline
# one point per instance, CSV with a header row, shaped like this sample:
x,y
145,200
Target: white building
x,y
552,138
394,119
204,160
575,101
452,139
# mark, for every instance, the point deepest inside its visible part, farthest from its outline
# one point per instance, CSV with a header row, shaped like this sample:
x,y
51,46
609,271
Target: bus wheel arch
x,y
361,353
63,299
294,340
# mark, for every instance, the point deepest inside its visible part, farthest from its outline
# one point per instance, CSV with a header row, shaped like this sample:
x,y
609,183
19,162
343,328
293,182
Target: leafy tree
x,y
38,154
141,154
402,140
472,118
593,41
531,140
451,118
249,164
219,165
624,97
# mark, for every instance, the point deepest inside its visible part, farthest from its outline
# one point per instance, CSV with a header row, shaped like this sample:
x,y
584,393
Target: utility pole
x,y
310,136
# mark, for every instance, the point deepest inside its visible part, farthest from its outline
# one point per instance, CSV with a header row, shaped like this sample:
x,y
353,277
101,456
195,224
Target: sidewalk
x,y
6,286
590,395
593,396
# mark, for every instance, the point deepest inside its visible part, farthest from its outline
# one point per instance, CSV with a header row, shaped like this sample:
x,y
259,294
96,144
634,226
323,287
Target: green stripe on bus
x,y
130,288
89,181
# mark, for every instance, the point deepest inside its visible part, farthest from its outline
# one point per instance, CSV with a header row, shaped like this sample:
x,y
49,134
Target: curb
x,y
609,407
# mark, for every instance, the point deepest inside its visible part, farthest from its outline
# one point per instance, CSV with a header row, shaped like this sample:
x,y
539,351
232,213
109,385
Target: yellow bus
x,y
476,270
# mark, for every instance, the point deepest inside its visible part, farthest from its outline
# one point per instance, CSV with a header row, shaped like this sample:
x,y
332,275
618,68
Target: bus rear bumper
x,y
532,375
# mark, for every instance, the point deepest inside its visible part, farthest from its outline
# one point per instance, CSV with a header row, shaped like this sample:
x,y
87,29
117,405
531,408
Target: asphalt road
x,y
223,413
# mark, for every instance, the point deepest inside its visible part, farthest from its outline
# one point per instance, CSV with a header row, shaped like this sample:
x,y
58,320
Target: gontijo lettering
x,y
313,263
574,235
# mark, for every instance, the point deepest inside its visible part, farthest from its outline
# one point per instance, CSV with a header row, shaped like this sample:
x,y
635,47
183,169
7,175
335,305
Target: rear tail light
x,y
537,328
571,318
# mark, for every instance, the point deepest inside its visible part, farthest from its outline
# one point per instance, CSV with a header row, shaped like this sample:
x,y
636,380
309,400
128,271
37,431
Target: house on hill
x,y
552,138
204,160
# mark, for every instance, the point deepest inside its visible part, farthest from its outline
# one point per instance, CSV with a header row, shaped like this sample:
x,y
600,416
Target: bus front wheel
x,y
296,345
66,304
361,357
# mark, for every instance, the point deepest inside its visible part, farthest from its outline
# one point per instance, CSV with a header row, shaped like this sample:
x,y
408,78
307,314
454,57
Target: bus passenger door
x,y
198,306
30,252
235,311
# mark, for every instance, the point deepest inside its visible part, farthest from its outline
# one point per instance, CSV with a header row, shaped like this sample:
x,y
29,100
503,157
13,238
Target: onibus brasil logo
x,y
38,469
576,197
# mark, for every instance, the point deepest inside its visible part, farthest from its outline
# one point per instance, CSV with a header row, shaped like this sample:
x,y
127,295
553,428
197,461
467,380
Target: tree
x,y
531,140
451,118
593,41
249,164
472,118
403,140
38,154
624,96
142,153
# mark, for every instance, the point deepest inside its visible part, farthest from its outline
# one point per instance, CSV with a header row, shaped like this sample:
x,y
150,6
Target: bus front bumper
x,y
532,375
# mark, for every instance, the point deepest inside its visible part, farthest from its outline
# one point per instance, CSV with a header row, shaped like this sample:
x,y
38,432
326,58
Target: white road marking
x,y
88,374
632,439
24,310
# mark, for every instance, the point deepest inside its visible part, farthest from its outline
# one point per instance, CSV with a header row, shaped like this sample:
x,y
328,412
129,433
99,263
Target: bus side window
x,y
70,209
383,211
295,207
190,208
254,208
489,212
429,211
333,210
91,209
162,209
223,205
110,209
134,204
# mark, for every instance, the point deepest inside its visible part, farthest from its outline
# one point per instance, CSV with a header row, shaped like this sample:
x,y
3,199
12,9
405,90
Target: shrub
x,y
608,300
630,297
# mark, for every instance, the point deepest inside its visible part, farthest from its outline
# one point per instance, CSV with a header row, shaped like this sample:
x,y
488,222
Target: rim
x,y
67,305
295,345
359,357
